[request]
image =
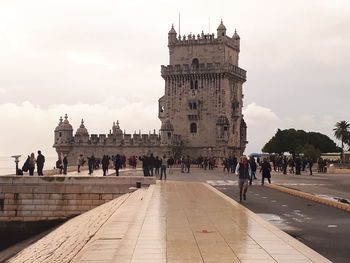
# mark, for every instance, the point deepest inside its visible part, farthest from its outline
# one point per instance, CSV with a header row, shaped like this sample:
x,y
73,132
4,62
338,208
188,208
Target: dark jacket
x,y
105,161
40,160
265,170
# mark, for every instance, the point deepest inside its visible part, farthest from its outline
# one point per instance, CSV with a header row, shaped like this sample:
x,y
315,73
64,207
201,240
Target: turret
x,y
221,31
82,134
172,36
166,133
64,132
236,39
117,132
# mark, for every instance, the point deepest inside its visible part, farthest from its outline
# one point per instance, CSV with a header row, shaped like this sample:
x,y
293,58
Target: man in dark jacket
x,y
105,164
40,160
91,164
65,164
253,168
265,171
118,164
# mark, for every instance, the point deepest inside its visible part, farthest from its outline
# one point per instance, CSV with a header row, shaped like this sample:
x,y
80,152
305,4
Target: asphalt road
x,y
322,228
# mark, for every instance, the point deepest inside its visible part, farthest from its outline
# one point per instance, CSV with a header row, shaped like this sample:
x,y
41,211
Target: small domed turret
x,y
172,30
82,130
64,131
66,125
59,124
116,129
172,36
221,30
235,35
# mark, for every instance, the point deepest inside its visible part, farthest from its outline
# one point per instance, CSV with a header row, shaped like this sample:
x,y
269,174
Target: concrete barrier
x,y
24,198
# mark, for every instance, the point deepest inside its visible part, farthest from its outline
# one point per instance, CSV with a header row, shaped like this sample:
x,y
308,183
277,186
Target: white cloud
x,y
255,115
3,91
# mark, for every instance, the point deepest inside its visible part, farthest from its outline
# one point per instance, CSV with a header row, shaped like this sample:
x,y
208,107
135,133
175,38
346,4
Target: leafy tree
x,y
291,140
310,152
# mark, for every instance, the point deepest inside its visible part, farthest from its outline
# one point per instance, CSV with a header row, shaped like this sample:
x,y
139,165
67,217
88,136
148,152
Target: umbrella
x,y
255,154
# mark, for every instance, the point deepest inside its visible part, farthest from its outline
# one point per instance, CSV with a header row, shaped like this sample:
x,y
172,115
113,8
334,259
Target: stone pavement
x,y
174,222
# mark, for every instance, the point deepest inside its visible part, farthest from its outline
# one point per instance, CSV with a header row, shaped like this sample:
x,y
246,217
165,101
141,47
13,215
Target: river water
x,y
8,166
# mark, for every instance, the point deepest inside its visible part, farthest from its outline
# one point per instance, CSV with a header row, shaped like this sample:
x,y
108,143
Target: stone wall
x,y
59,197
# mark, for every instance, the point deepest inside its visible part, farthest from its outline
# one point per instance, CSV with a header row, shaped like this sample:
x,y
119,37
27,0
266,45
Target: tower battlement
x,y
203,68
204,48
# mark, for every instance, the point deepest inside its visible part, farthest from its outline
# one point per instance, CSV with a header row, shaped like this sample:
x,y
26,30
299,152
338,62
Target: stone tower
x,y
203,97
63,136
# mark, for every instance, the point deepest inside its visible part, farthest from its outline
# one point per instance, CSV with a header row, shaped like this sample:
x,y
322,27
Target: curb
x,y
318,199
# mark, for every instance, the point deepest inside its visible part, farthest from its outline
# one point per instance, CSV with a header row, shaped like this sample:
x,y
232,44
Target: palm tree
x,y
342,132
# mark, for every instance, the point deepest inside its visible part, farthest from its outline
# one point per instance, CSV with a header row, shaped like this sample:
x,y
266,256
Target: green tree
x,y
290,140
342,132
310,152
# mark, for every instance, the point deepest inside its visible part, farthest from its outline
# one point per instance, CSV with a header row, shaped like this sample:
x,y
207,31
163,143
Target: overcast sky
x,y
100,60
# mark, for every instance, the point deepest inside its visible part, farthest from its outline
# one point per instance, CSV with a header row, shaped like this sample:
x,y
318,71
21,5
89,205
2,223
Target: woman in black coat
x,y
266,171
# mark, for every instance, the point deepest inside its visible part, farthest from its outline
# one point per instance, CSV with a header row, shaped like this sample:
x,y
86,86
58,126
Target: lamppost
x,y
16,161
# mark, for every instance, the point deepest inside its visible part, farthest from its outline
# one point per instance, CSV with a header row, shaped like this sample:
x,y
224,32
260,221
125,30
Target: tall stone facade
x,y
203,94
200,112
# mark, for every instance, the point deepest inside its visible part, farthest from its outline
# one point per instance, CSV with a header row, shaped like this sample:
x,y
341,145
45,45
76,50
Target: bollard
x,y
138,184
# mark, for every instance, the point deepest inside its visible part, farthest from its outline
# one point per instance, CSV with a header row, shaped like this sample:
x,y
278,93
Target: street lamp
x,y
16,161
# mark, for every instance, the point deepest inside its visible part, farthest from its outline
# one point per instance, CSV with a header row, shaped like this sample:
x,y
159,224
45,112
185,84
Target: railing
x,y
203,68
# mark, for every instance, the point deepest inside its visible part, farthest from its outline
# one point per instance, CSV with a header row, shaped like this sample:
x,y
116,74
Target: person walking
x,y
182,160
265,171
311,163
59,165
40,160
157,165
65,164
91,164
297,165
151,164
226,165
118,163
285,164
105,164
163,163
80,162
188,163
243,171
253,168
31,164
170,162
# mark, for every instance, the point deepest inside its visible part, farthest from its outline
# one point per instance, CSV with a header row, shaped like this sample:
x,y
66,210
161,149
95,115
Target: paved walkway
x,y
190,222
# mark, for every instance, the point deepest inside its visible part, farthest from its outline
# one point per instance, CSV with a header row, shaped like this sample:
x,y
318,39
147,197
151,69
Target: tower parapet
x,y
203,68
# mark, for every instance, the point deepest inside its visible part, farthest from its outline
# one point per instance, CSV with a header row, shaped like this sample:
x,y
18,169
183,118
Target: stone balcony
x,y
208,68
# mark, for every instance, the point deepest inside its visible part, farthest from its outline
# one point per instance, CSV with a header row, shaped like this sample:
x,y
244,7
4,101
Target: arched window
x,y
195,63
193,127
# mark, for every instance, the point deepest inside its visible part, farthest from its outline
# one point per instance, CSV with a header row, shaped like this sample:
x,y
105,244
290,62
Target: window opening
x,y
193,128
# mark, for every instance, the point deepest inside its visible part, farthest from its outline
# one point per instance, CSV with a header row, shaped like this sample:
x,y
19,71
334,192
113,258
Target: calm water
x,y
7,164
